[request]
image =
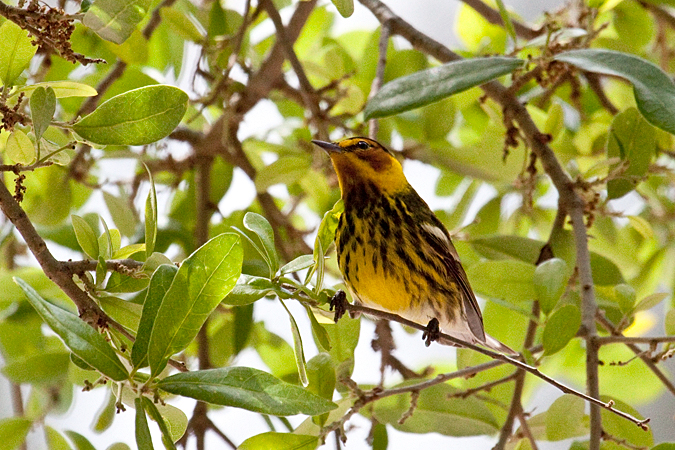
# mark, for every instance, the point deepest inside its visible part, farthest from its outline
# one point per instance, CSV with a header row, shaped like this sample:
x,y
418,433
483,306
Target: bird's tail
x,y
494,344
489,342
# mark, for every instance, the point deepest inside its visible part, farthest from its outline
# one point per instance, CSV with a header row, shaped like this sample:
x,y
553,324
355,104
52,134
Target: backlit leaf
x,y
82,339
654,90
560,328
16,51
115,20
137,117
247,388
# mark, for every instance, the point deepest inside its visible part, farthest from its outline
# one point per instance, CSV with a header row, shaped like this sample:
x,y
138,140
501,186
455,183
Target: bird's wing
x,y
442,245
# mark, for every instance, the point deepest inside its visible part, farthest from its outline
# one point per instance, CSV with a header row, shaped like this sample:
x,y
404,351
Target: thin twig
x,y
451,340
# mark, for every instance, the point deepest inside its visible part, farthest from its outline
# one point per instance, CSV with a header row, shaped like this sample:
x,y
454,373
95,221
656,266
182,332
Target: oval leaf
x,y
19,148
262,228
202,281
508,280
115,20
85,236
247,388
564,418
82,339
16,51
653,88
159,285
42,108
13,431
436,412
62,89
280,441
560,328
137,117
549,283
436,83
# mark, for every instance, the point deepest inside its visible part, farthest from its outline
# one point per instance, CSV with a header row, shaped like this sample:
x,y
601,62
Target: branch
x,y
123,266
89,311
493,16
630,343
451,340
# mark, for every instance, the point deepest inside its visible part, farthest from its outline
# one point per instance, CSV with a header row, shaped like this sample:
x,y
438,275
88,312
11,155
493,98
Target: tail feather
x,y
489,342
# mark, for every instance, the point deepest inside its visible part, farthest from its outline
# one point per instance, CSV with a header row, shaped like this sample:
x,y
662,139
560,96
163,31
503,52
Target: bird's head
x,y
359,160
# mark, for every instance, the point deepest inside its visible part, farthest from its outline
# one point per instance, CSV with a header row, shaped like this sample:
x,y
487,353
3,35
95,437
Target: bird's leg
x,y
339,303
432,333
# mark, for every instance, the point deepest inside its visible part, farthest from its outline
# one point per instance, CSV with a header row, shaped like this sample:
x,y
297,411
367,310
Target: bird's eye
x,y
363,145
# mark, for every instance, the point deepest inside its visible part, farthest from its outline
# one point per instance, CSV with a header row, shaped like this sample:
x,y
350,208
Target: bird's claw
x,y
432,333
339,303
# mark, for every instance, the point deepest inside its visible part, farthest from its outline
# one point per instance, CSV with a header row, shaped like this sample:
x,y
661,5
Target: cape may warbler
x,y
394,253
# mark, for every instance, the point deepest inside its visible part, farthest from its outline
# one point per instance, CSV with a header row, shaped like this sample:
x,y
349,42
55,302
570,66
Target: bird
x,y
395,255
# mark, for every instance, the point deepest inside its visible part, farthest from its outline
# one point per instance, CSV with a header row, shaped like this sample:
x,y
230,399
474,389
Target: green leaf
x,y
507,247
13,431
124,312
137,117
106,414
200,284
122,214
318,331
507,20
287,170
105,242
81,442
16,52
247,388
633,140
181,23
625,297
564,418
665,446
560,328
43,367
249,289
344,7
623,429
115,20
436,412
654,90
20,149
298,349
280,441
143,437
42,108
550,281
299,263
321,376
150,216
55,440
343,337
326,234
82,339
153,412
651,301
85,236
436,83
507,280
262,228
62,89
670,322
159,285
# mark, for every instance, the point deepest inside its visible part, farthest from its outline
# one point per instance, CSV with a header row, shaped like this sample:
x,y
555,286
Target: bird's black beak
x,y
328,146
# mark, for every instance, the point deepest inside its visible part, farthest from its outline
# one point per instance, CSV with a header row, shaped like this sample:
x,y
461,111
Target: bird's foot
x,y
339,303
432,333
